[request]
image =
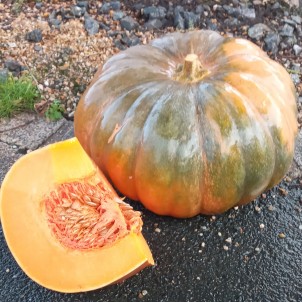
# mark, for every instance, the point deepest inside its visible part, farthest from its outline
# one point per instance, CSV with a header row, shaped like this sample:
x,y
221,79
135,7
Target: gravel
x,y
91,25
287,30
3,75
14,67
272,41
297,49
34,36
129,23
258,31
65,42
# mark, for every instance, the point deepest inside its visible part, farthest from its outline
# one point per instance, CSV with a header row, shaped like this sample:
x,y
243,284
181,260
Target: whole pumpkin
x,y
192,123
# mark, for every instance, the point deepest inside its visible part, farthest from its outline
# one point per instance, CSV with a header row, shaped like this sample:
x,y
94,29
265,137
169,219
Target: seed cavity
x,y
83,215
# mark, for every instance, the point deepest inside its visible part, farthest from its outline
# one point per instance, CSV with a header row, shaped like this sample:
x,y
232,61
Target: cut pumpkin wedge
x,y
65,225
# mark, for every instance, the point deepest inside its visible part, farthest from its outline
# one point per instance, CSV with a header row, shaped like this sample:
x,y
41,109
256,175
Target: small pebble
x,y
257,249
203,244
287,179
144,292
225,247
263,195
198,278
258,209
282,235
7,270
215,7
236,208
12,45
300,227
157,230
213,217
229,240
71,114
283,191
261,226
219,234
200,234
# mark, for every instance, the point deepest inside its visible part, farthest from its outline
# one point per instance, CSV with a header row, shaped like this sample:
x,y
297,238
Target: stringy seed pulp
x,y
86,216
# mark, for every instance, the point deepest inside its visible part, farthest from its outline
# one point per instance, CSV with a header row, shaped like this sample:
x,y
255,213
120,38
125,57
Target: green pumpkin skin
x,y
185,144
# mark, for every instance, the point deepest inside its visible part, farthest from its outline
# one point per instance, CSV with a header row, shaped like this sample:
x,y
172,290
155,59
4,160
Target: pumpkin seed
x,y
82,216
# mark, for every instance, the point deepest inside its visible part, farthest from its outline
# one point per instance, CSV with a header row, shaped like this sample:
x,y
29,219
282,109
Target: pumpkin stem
x,y
191,71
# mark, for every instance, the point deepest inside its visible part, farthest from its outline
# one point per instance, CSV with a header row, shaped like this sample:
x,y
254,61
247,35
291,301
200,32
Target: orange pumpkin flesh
x,y
30,194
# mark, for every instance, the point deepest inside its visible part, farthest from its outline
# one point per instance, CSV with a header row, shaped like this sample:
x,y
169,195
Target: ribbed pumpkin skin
x,y
186,148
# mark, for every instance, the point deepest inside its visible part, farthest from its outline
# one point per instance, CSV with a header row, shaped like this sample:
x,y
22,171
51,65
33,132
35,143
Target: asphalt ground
x,y
253,253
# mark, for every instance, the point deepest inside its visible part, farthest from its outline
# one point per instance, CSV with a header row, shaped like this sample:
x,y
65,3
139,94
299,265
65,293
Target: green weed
x,y
17,95
54,111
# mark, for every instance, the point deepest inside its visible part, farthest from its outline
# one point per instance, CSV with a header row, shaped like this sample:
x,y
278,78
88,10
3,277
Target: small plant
x,y
17,95
17,6
54,111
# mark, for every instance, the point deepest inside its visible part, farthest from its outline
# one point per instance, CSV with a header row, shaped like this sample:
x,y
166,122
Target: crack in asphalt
x,y
16,127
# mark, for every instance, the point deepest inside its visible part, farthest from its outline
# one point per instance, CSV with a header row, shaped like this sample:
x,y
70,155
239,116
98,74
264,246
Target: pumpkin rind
x,y
184,148
28,234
